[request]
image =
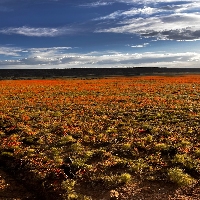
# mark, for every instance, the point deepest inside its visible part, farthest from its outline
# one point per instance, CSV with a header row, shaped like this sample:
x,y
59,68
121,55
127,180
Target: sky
x,y
42,34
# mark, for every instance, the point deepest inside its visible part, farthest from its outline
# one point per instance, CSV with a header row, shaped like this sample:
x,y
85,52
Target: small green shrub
x,y
178,176
139,165
6,154
2,134
148,138
126,146
184,160
124,178
161,146
77,147
66,140
68,186
197,153
185,143
87,197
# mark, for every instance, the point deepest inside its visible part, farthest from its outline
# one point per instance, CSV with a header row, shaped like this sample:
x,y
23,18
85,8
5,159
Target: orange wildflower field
x,y
116,131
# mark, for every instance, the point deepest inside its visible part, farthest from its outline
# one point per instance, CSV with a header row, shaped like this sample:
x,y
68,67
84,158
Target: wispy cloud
x,y
172,27
151,7
10,51
170,22
96,4
130,13
140,45
16,53
184,7
152,1
37,32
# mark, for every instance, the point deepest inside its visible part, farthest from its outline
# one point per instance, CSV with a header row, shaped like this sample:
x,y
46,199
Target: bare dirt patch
x,y
10,189
158,190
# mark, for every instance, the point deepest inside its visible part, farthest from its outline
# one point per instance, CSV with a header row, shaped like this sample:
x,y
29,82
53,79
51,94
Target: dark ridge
x,y
90,72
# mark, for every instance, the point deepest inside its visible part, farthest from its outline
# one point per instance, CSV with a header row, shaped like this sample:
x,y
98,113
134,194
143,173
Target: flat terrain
x,y
133,137
92,72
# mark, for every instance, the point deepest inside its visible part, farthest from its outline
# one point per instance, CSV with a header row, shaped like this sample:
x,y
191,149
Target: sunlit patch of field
x,y
114,130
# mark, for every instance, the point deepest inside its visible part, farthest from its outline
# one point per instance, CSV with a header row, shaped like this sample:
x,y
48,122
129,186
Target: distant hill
x,y
90,72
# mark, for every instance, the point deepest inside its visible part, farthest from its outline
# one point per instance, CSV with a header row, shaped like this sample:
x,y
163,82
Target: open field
x,y
127,137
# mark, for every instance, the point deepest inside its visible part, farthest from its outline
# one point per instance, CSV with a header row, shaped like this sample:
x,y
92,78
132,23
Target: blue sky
x,y
99,33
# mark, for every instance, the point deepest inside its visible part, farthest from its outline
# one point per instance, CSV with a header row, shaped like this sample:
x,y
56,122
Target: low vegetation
x,y
113,129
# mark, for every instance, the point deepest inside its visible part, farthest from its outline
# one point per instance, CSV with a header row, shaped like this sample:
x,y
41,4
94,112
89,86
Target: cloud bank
x,y
60,57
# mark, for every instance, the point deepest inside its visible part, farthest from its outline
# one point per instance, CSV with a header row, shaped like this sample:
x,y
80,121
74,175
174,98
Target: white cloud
x,y
178,21
130,13
37,32
186,7
182,26
18,52
150,7
152,1
142,11
51,58
113,15
10,51
96,4
140,45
